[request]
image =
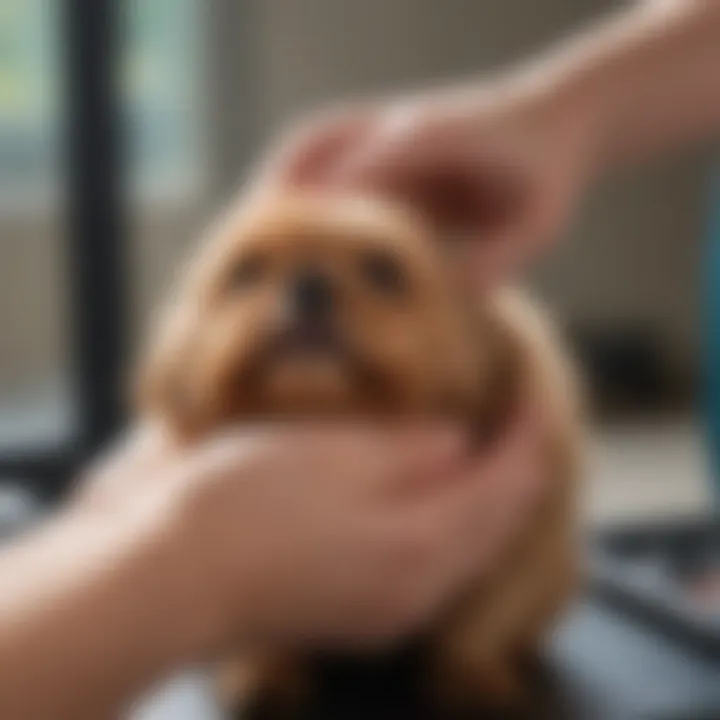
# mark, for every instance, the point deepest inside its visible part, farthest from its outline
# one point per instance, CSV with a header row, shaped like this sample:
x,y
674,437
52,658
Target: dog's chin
x,y
307,384
315,383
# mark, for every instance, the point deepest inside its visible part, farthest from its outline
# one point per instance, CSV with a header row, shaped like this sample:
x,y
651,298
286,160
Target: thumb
x,y
313,152
390,153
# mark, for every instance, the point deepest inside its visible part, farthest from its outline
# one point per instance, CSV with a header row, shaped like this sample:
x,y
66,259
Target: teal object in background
x,y
712,338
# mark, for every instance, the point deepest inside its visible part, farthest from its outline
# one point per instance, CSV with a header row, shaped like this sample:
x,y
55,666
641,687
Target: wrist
x,y
209,579
587,97
577,96
568,110
184,591
639,77
149,589
105,589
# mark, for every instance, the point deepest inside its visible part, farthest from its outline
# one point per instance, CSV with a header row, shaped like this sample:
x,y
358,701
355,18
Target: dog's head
x,y
309,305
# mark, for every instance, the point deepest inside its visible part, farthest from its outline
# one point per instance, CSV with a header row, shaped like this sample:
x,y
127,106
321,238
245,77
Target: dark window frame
x,y
98,262
97,265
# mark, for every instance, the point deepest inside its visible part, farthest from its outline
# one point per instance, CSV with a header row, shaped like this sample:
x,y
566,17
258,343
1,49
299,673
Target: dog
x,y
308,306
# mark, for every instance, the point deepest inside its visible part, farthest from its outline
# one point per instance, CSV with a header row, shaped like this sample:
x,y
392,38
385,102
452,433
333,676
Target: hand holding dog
x,y
323,535
320,536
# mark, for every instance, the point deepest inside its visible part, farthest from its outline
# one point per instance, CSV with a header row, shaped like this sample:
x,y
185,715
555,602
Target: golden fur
x,y
407,342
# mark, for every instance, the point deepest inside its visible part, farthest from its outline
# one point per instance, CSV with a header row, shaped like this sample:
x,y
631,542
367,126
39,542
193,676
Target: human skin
x,y
505,161
327,536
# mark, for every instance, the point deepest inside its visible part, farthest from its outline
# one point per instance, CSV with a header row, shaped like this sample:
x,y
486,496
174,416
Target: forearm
x,y
650,77
91,611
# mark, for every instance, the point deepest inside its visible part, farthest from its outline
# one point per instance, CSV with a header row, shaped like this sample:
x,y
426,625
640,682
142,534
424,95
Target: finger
x,y
233,447
475,531
390,153
457,193
316,159
502,491
461,483
468,556
481,505
475,548
417,458
311,153
367,459
396,460
384,164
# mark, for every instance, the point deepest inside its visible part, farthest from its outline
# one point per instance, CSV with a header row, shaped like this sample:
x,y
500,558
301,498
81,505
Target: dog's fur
x,y
403,339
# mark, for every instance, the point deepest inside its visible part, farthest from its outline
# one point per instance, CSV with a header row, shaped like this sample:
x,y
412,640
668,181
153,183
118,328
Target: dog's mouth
x,y
300,362
307,341
310,368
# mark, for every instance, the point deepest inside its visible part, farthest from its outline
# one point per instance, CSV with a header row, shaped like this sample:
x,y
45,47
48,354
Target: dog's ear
x,y
163,385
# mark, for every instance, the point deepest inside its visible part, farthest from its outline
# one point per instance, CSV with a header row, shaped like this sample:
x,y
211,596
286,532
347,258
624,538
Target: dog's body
x,y
312,307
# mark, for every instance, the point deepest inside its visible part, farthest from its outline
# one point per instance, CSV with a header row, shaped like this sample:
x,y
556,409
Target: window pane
x,y
162,70
28,96
162,113
164,76
33,390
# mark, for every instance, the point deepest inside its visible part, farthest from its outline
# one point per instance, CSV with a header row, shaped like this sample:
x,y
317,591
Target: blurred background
x,y
125,124
201,88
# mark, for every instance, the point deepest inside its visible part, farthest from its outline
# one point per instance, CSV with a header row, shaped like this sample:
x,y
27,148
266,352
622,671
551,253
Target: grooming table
x,y
636,648
612,666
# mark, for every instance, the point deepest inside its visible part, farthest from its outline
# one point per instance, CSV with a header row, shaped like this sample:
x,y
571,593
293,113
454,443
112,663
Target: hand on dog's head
x,y
308,305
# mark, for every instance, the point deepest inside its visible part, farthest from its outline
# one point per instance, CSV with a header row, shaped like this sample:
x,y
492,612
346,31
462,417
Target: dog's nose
x,y
312,296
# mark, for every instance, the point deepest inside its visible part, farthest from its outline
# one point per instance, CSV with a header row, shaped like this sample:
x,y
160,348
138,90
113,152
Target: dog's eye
x,y
246,272
384,273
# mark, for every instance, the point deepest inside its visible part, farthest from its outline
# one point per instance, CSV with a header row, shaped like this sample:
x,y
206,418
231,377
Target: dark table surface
x,y
620,668
612,666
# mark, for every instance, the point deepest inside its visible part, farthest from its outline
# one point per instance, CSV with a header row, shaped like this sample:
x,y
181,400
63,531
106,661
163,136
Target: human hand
x,y
504,166
321,535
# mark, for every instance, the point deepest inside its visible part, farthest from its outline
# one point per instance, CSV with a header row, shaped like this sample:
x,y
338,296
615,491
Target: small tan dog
x,y
307,306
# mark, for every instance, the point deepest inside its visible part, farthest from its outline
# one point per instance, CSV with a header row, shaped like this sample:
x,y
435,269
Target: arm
x,y
173,557
508,160
91,611
651,75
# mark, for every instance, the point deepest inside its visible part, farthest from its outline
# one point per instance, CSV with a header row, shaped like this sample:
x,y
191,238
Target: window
x,y
28,95
163,87
162,81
